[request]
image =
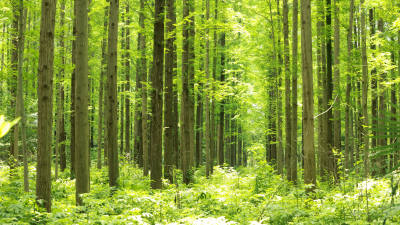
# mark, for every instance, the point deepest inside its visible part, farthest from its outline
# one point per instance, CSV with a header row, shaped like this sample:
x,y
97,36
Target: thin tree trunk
x,y
143,74
111,92
128,85
169,141
308,102
156,96
45,103
293,154
73,105
288,119
337,117
348,137
364,90
101,91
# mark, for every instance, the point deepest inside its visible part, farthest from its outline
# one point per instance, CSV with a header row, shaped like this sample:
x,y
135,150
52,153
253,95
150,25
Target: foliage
x,y
243,196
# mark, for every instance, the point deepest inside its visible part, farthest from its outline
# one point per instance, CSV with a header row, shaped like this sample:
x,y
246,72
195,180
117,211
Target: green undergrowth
x,y
242,196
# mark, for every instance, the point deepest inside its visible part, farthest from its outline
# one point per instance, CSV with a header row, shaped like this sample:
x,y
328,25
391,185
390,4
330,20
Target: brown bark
x,y
101,91
364,91
293,154
128,85
111,92
170,73
156,96
288,119
45,103
308,102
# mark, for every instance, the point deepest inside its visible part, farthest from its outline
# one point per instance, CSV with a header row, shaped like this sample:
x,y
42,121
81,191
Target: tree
x,y
170,74
364,90
287,91
127,85
293,154
111,92
337,117
156,96
45,103
308,102
101,90
81,99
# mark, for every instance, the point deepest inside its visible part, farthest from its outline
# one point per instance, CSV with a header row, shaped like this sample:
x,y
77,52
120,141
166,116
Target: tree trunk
x,y
45,103
199,125
143,74
349,138
111,92
101,92
336,109
288,120
364,90
293,152
156,96
73,105
81,99
308,102
128,85
169,141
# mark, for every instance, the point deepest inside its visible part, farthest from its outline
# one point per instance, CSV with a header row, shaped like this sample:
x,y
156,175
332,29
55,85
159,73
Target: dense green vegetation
x,y
243,196
199,111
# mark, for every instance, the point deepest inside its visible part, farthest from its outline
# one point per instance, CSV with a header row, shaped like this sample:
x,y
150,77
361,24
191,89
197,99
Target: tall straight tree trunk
x,y
169,148
308,102
111,92
199,125
191,70
20,109
81,99
382,164
336,109
45,103
13,83
156,96
208,132
293,154
73,105
221,131
128,85
374,86
60,146
138,131
348,137
396,156
280,152
101,90
214,132
329,88
185,111
143,74
288,120
364,90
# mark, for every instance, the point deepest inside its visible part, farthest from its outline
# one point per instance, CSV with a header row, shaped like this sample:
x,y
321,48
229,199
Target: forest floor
x,y
242,196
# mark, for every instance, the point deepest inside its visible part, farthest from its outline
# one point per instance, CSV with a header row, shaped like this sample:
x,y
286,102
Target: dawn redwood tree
x,y
156,96
45,103
364,90
170,72
293,154
287,90
308,101
111,92
101,91
81,100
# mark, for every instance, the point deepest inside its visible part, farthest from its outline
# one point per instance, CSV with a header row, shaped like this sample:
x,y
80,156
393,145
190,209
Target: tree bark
x,y
288,119
128,85
156,96
45,103
81,99
101,90
111,92
293,154
348,137
364,90
308,102
170,73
